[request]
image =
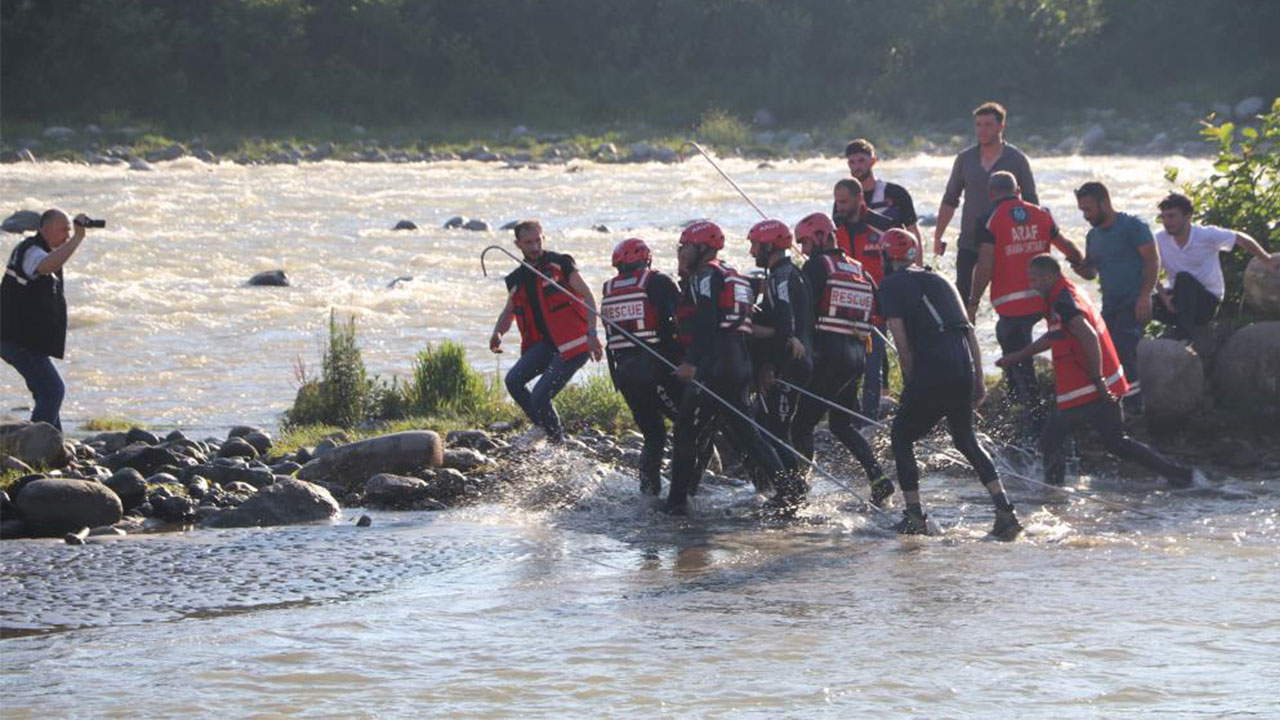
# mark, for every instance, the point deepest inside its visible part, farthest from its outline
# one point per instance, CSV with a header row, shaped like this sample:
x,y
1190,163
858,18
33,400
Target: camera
x,y
91,223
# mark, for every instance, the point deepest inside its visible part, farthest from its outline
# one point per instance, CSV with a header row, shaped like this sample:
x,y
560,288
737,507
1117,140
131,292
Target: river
x,y
575,598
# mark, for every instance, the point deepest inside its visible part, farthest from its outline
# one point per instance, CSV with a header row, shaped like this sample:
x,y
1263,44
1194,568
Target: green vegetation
x,y
317,67
110,424
723,131
593,403
1243,193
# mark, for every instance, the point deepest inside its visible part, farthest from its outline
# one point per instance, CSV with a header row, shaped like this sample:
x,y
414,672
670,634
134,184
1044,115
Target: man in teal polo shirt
x,y
1120,251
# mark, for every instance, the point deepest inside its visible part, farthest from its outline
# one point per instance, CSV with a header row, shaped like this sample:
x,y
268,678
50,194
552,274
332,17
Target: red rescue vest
x,y
1074,383
565,317
737,299
865,247
1022,231
847,303
626,302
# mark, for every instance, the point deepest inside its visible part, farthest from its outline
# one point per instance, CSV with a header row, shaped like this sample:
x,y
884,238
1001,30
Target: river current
x,y
574,597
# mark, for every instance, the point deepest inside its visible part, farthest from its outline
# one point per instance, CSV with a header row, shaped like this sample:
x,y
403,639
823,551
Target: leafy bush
x,y
593,403
1243,193
341,395
444,383
722,130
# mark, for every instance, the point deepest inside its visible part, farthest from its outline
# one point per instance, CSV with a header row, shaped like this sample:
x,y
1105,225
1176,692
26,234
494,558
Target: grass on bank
x,y
111,424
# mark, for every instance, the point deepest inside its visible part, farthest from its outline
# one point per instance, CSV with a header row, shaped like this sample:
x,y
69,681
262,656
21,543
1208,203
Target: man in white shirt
x,y
1189,258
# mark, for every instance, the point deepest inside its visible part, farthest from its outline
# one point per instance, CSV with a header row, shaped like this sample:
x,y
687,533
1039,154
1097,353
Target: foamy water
x,y
165,331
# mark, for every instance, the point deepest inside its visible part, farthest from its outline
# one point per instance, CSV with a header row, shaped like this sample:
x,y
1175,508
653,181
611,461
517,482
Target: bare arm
x,y
1038,346
1150,271
54,261
945,213
1253,247
579,286
503,324
898,329
981,277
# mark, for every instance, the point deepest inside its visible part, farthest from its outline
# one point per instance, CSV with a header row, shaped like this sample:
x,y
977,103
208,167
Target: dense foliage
x,y
267,63
1243,193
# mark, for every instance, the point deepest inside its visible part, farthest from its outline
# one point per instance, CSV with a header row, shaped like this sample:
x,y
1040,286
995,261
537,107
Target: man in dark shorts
x,y
942,367
969,175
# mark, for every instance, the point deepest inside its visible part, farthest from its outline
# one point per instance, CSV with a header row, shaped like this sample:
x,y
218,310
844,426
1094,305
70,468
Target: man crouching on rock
x,y
33,310
557,331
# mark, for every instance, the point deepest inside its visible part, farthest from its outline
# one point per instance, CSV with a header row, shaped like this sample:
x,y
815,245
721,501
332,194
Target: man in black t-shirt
x,y
942,368
889,199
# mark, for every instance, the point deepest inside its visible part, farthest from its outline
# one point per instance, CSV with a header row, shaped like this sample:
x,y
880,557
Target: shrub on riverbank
x,y
593,402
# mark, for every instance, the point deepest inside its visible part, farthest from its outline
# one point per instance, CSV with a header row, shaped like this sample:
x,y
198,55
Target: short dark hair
x,y
853,186
1003,182
1093,189
861,145
48,215
991,108
1176,200
527,225
1046,264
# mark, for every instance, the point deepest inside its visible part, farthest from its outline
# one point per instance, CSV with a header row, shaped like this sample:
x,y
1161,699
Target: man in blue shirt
x,y
1120,251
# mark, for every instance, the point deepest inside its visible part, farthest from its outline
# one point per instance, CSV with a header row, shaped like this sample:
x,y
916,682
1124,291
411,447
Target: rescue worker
x,y
782,342
642,301
1007,235
858,233
844,301
717,311
557,333
942,368
1088,377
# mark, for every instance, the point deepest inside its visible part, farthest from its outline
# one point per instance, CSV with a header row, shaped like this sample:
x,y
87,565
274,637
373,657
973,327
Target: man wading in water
x,y
557,332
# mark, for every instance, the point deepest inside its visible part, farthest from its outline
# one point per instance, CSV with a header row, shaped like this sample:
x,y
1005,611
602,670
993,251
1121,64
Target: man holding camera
x,y
33,309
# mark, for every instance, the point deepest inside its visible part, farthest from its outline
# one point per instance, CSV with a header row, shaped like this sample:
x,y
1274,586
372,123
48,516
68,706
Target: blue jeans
x,y
556,372
872,380
1126,332
42,379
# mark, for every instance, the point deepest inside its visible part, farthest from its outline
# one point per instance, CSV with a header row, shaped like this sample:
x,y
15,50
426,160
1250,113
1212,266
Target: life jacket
x,y
625,301
865,247
847,302
33,311
1022,231
736,301
1074,383
685,310
563,314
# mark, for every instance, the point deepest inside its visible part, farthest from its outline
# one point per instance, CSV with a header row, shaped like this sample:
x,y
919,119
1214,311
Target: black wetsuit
x,y
788,310
723,364
838,365
941,382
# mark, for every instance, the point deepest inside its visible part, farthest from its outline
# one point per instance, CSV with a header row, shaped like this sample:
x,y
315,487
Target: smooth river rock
x,y
287,502
1172,379
129,485
270,278
348,466
1262,289
36,444
22,221
386,491
1247,368
51,507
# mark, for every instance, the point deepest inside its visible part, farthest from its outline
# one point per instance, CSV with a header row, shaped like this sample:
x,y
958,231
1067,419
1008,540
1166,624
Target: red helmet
x,y
816,223
703,232
900,246
630,251
771,233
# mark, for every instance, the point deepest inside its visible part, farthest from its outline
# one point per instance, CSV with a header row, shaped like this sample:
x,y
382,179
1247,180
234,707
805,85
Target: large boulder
x,y
146,459
1247,369
1248,108
347,467
1262,289
270,278
36,444
1172,379
287,502
129,485
22,221
395,492
52,507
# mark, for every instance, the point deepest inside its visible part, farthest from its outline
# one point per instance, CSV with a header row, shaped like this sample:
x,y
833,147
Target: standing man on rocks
x,y
969,175
859,230
889,199
557,333
942,368
1088,378
1120,252
1189,258
642,301
33,310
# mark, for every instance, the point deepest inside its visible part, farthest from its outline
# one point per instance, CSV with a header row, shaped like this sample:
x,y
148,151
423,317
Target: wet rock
x,y
401,279
455,222
175,509
204,155
606,152
13,464
287,467
53,506
405,225
172,152
287,502
601,228
270,278
22,221
477,439
630,458
464,459
395,492
239,431
259,441
139,164
448,484
364,521
129,485
1245,110
36,444
1247,368
349,466
1262,289
174,436
225,475
321,448
197,487
1172,380
136,435
476,226
146,459
240,487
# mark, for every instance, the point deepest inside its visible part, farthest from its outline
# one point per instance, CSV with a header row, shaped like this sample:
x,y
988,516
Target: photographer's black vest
x,y
33,311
